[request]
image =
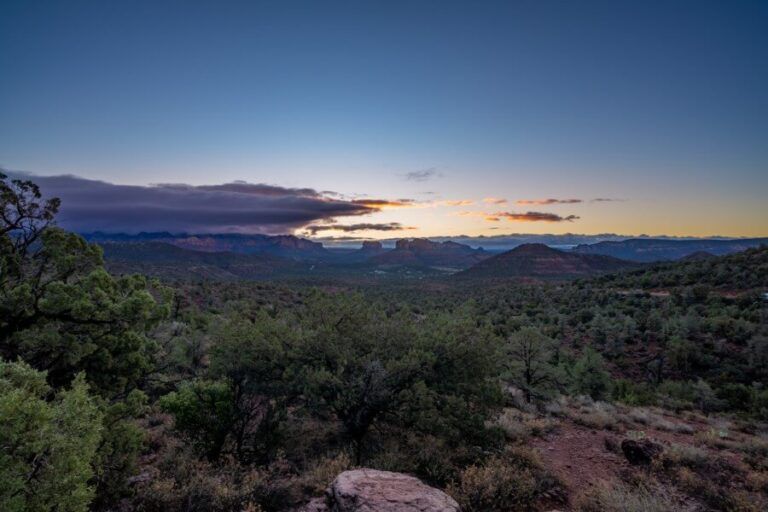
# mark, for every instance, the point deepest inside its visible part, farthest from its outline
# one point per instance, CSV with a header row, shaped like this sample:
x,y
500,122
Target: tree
x,y
205,414
22,220
588,376
433,375
336,358
48,446
530,354
60,310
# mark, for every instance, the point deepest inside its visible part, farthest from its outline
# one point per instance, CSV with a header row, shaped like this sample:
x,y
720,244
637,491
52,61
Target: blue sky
x,y
659,105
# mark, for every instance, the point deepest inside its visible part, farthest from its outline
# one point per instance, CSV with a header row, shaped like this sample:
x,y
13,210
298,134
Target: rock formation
x,y
370,490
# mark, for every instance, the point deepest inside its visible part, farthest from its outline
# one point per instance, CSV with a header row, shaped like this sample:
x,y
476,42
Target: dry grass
x,y
597,415
618,497
686,455
653,418
514,480
713,438
755,450
322,472
519,426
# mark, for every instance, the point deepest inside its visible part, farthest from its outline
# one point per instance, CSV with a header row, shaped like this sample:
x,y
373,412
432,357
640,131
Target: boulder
x,y
370,490
314,505
640,452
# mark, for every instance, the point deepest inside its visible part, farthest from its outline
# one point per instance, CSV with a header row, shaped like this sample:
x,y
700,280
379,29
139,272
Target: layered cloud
x,y
544,202
351,228
540,202
494,200
90,205
534,217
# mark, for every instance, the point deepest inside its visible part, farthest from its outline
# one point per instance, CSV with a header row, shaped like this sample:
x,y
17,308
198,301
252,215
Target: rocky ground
x,y
604,457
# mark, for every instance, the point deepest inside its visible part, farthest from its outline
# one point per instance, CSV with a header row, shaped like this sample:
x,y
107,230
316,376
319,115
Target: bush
x,y
598,415
630,393
589,376
48,445
512,481
737,397
205,414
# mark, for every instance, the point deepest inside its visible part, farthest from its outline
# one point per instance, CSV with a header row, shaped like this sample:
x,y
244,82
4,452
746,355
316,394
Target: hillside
x,y
543,262
171,262
648,250
741,271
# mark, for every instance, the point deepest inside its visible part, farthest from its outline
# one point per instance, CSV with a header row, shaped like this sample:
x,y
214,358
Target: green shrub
x,y
205,414
588,376
48,446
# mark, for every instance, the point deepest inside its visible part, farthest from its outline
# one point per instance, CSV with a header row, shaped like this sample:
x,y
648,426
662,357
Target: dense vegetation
x,y
116,391
741,271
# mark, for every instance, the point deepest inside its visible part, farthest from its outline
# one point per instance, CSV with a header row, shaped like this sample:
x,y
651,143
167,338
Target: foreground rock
x,y
370,490
640,452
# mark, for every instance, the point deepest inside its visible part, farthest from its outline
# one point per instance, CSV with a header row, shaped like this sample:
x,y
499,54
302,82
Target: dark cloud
x,y
422,175
260,189
606,200
351,228
90,205
535,217
548,201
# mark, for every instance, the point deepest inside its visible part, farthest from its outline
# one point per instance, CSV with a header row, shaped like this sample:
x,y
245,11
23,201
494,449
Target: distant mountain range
x,y
417,252
236,256
505,242
653,250
540,261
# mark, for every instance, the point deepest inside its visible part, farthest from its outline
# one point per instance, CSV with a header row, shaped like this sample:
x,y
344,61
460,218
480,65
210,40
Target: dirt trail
x,y
578,456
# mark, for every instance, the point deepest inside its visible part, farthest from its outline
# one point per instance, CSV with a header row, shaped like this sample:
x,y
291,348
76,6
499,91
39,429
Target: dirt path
x,y
578,456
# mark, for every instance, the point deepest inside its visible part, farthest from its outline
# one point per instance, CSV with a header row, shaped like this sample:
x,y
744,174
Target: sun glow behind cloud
x,y
248,207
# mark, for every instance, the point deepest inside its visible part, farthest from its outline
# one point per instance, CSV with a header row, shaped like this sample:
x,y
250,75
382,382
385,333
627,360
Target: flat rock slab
x,y
370,490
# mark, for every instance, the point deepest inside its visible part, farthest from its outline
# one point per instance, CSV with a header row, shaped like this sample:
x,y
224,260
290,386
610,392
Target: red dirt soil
x,y
578,456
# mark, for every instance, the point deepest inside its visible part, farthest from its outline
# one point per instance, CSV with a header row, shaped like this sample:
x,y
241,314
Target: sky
x,y
391,118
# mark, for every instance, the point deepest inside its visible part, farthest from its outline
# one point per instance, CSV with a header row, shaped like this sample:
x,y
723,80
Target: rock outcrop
x,y
426,253
372,246
370,490
640,452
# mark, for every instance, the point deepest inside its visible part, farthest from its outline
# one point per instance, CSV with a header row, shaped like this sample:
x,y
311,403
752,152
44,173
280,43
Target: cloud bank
x,y
533,217
351,228
237,207
540,202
